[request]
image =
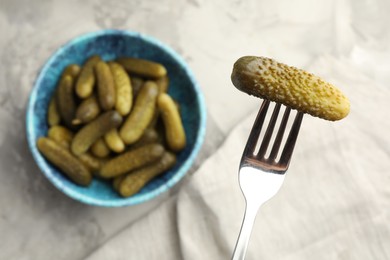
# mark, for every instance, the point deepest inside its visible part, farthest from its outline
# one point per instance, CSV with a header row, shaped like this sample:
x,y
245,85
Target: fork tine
x,y
290,143
268,133
279,136
256,129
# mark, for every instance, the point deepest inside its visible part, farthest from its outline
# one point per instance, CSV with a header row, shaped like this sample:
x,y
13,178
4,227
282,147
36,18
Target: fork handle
x,y
245,232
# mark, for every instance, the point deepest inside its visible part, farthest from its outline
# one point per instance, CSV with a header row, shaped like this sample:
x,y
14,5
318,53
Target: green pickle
x,y
162,84
137,179
149,136
66,102
123,89
131,160
174,130
105,86
136,84
125,131
90,161
65,161
61,135
141,115
153,122
53,116
117,181
86,80
100,149
91,132
114,142
72,70
143,68
88,110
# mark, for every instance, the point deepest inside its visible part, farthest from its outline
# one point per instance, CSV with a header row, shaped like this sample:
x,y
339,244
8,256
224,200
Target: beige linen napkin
x,y
334,204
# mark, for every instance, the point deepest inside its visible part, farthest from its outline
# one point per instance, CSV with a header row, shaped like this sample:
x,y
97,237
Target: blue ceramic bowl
x,y
110,44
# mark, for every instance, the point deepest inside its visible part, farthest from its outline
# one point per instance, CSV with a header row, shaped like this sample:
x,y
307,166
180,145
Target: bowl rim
x,y
181,171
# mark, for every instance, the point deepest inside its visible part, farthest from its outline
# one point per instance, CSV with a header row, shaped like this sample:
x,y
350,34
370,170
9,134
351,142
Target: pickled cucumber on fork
x,y
65,161
100,149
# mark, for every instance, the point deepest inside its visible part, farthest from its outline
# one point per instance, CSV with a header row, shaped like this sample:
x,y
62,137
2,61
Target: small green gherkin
x,y
86,80
94,130
65,161
131,160
137,179
141,115
143,68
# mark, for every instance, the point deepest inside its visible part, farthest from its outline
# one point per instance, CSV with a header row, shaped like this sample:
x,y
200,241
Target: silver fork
x,y
261,177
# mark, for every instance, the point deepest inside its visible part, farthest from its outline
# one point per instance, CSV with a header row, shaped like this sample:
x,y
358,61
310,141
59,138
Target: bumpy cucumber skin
x,y
61,135
100,148
149,136
144,68
91,162
91,132
88,110
123,89
137,179
174,130
105,86
86,80
66,102
141,115
117,181
114,142
296,88
53,116
65,161
53,113
131,160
